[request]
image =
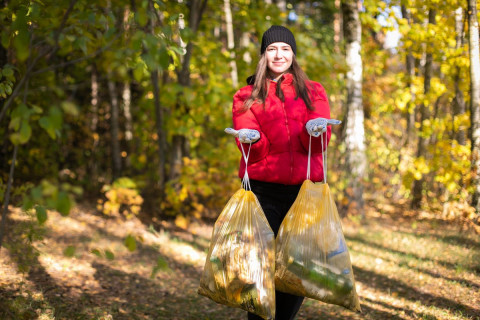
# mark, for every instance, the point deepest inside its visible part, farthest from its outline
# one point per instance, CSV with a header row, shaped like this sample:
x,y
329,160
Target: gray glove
x,y
244,135
316,127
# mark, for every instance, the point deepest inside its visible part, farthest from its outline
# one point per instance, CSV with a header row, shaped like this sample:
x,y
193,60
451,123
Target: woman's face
x,y
279,58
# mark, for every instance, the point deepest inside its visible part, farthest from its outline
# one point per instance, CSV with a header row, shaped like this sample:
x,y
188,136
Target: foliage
x,y
121,197
64,64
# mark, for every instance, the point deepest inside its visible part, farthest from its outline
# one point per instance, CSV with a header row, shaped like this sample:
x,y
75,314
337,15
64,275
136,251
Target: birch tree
x,y
114,129
356,161
231,42
474,99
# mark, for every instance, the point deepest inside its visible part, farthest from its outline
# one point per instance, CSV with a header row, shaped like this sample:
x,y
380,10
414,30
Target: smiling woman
x,y
279,58
278,116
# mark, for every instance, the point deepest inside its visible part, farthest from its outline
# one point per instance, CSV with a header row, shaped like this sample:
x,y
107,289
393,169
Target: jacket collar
x,y
287,79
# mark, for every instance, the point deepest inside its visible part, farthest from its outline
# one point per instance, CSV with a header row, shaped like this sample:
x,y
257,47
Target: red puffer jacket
x,y
281,154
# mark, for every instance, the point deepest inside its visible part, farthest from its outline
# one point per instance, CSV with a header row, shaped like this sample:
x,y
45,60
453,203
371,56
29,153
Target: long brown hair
x,y
260,88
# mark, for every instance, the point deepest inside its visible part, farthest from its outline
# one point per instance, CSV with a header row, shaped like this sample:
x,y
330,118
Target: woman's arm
x,y
321,110
247,120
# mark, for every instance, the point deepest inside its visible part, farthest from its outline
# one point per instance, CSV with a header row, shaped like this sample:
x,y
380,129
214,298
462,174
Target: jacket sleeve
x,y
247,120
321,110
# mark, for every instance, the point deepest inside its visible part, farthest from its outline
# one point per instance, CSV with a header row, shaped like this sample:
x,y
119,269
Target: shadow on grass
x,y
461,281
462,241
397,310
447,264
385,284
124,295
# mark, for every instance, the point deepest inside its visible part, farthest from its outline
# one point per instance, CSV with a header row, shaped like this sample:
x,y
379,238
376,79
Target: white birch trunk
x,y
356,159
475,98
231,43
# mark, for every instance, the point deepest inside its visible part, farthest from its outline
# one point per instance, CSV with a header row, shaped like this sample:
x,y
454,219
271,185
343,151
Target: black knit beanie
x,y
278,34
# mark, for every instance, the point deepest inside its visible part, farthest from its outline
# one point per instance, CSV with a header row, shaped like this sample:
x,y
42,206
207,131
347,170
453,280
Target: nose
x,y
278,54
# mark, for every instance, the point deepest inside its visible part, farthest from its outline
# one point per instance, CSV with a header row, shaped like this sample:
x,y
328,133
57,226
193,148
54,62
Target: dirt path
x,y
404,269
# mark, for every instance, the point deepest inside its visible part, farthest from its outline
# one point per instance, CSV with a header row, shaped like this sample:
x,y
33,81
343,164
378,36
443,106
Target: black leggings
x,y
276,200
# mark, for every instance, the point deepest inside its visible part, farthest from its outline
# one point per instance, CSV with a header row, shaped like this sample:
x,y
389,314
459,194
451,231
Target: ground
x,y
79,267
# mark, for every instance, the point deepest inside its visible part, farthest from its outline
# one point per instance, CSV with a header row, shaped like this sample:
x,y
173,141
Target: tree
x,y
356,161
474,99
459,100
180,144
410,66
424,116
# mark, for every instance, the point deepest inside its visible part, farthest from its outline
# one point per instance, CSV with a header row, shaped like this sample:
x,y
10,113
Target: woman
x,y
277,112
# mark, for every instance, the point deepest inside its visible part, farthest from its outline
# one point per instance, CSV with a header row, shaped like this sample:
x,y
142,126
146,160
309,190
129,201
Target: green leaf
x,y
130,243
15,138
63,203
21,44
138,72
36,193
27,203
14,123
69,251
56,117
70,108
22,38
46,124
5,38
7,72
25,132
164,58
109,255
141,17
8,89
162,264
41,214
96,252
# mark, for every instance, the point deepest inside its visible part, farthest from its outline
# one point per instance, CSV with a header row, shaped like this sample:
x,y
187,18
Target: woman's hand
x,y
244,135
316,127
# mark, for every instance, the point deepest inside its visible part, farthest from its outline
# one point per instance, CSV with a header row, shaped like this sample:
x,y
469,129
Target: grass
x,y
404,268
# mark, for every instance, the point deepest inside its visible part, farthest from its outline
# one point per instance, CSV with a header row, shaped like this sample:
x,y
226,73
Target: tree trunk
x,y
7,195
424,115
114,129
161,136
159,115
410,65
337,29
180,145
10,180
93,163
459,101
474,99
127,97
127,101
244,42
231,43
356,161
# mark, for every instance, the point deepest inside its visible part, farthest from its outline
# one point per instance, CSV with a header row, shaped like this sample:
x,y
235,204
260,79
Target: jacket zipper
x,y
289,141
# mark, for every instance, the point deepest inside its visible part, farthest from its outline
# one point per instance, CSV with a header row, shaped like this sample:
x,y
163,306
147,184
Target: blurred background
x,y
114,163
125,102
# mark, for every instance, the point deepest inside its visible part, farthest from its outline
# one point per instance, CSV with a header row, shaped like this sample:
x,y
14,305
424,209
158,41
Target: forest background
x,y
117,109
121,105
125,103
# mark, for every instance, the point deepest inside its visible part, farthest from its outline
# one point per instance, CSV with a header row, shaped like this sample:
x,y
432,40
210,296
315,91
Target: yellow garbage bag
x,y
312,259
240,266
